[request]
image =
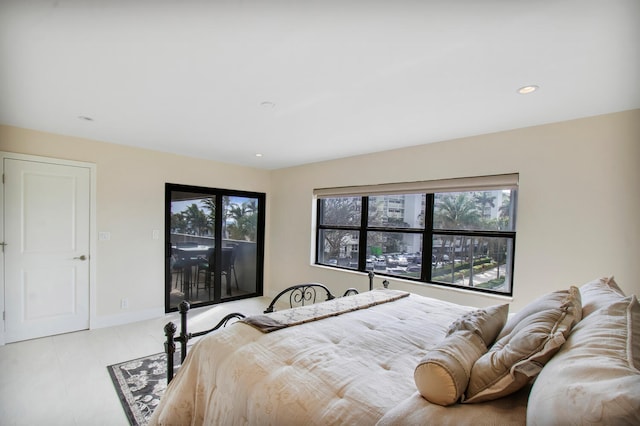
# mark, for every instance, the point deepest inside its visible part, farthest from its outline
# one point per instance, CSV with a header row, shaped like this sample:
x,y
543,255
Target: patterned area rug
x,y
140,383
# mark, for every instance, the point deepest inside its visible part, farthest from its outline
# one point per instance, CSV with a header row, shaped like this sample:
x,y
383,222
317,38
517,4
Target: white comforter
x,y
350,369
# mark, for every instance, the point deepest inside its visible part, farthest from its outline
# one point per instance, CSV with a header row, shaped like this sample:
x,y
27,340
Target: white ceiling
x,y
343,77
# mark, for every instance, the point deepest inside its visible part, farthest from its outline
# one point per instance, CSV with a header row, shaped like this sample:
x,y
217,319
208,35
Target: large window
x,y
215,245
461,233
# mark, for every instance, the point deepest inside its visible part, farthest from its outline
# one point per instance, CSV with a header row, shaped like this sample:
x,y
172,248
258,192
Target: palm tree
x,y
244,220
234,213
456,211
210,204
504,212
251,206
484,199
498,249
196,220
178,223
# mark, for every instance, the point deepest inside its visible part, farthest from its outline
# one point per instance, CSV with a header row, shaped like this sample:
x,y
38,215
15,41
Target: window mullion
x,y
427,239
318,227
362,238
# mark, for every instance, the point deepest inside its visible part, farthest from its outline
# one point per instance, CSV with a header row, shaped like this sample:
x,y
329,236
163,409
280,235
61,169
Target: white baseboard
x,y
125,318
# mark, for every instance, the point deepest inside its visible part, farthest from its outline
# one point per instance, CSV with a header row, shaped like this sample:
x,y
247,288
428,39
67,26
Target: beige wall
x,y
579,203
130,205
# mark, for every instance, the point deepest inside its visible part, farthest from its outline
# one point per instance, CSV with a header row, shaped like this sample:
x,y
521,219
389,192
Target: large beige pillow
x,y
598,293
517,357
443,374
595,377
486,322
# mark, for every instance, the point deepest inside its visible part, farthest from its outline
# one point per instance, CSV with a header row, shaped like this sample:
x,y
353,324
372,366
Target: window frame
x,y
428,232
217,194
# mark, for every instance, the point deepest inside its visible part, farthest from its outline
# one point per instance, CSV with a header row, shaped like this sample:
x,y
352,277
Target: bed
x,y
391,358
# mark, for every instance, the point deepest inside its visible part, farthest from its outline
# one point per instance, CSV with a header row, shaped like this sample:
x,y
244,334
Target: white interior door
x,y
46,232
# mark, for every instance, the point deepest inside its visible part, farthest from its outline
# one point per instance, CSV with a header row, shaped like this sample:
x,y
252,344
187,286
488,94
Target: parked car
x,y
380,264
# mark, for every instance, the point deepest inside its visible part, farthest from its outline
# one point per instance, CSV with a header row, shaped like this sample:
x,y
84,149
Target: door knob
x,y
83,257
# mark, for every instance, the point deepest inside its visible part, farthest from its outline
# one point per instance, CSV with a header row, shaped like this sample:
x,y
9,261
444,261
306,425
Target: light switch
x,y
104,236
156,234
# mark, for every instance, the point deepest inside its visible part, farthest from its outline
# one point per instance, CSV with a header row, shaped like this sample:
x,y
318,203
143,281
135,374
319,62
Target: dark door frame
x,y
218,193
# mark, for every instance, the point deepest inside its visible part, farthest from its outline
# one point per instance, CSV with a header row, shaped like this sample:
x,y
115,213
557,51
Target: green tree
x,y
251,206
340,211
457,211
210,205
243,223
504,212
197,222
394,242
484,199
179,223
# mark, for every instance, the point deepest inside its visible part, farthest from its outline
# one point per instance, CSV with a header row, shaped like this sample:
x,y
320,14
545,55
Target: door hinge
x,y
2,315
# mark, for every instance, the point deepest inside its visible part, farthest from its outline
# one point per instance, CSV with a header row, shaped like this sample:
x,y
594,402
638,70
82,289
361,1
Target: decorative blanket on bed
x,y
349,369
304,314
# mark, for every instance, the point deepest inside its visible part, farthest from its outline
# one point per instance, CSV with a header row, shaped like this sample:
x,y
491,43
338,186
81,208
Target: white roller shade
x,y
480,183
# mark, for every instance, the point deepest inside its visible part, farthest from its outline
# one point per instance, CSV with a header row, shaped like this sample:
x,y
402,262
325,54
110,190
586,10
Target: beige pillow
x,y
595,377
485,322
517,357
548,301
443,374
599,293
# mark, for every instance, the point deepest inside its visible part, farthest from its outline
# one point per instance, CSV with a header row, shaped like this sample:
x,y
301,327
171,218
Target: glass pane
x,y
395,253
192,242
485,210
239,248
240,221
397,211
338,248
481,262
192,216
341,211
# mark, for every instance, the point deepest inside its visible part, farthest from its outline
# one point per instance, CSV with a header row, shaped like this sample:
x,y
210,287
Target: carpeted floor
x,y
140,383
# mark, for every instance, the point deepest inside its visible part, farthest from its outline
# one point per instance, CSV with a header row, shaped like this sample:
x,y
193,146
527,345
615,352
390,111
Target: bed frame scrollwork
x,y
302,294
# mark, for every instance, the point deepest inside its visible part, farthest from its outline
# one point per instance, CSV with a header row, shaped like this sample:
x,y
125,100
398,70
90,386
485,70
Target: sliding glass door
x,y
214,245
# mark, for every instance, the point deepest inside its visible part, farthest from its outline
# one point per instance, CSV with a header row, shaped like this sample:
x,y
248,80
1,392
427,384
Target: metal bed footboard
x,y
184,336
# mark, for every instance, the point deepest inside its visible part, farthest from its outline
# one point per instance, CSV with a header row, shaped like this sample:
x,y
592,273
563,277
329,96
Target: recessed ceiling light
x,y
525,90
267,104
258,155
85,118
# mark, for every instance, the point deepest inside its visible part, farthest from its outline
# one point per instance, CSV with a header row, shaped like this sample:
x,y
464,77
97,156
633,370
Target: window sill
x,y
419,284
